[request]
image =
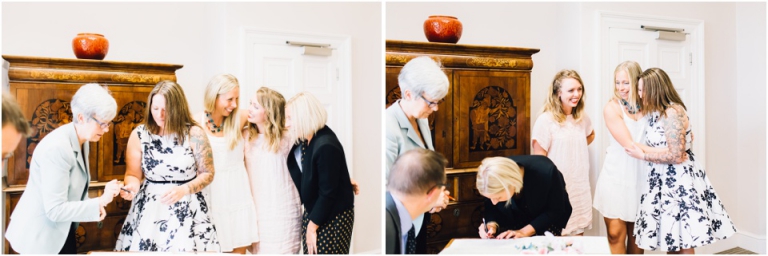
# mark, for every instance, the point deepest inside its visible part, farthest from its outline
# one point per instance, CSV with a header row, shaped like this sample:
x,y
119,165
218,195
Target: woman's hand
x,y
110,191
174,195
635,152
486,234
102,213
128,191
355,187
311,238
512,234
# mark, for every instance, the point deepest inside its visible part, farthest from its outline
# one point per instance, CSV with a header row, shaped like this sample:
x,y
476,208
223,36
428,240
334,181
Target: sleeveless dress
x,y
679,208
617,193
566,146
231,204
153,226
277,201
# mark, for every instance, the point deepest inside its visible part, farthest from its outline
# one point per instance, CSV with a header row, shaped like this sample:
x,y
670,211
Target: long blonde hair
x,y
178,119
222,84
274,110
633,71
497,174
308,115
552,103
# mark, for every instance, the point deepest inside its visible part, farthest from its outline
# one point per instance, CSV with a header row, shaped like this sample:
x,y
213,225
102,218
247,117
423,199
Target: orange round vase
x,y
90,46
443,29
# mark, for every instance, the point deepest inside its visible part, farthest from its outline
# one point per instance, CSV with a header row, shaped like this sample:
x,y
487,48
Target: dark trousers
x,y
70,247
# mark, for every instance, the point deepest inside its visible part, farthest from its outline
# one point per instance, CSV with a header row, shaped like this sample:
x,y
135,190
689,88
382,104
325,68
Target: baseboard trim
x,y
752,242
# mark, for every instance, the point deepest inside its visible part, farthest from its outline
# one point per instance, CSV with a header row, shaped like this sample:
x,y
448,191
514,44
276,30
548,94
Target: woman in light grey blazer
x,y
55,201
423,85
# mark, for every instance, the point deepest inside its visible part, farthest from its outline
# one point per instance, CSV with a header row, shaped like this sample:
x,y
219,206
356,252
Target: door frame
x,y
342,44
604,72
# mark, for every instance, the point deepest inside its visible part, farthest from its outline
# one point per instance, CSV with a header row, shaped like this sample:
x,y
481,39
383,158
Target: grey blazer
x,y
55,196
401,136
394,236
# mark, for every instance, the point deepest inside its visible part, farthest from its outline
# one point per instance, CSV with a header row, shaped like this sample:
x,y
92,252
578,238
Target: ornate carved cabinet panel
x,y
44,88
486,113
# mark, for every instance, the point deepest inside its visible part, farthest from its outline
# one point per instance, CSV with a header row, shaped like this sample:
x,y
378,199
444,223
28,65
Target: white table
x,y
591,245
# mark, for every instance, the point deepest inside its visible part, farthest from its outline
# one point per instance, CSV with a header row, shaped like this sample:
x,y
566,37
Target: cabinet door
x,y
131,108
440,122
492,115
46,106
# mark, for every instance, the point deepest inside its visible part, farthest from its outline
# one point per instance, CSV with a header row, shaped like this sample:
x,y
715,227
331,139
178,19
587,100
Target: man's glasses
x,y
438,186
430,103
103,125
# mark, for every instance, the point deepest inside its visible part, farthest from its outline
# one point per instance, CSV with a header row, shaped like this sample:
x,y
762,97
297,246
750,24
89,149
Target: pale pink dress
x,y
278,206
566,146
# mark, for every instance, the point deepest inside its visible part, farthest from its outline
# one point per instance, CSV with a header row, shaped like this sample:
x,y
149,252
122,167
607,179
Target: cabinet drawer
x,y
458,220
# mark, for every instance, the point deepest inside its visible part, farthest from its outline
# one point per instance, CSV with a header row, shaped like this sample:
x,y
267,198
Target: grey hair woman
x,y
56,196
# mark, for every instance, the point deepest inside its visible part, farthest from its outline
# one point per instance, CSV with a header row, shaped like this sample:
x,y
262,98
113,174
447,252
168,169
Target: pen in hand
x,y
126,190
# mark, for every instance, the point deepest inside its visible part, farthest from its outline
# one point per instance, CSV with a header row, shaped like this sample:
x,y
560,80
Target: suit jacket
x,y
323,180
401,135
394,234
55,197
542,202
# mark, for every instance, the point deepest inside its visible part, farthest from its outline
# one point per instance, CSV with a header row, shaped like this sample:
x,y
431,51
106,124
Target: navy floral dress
x,y
153,226
679,208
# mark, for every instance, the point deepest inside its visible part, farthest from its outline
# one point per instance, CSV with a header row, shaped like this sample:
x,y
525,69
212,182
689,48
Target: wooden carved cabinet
x,y
486,113
44,87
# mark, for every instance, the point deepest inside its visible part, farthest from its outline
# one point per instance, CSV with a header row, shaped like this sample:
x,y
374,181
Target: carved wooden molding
x,y
38,69
469,56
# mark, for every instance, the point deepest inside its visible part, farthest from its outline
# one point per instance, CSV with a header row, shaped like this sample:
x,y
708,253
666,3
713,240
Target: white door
x,y
674,57
269,61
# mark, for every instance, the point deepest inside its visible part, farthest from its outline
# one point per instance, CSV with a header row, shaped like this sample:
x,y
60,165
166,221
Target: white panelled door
x,y
270,62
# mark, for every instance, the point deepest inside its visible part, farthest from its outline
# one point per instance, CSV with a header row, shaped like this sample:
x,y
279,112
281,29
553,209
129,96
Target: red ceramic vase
x,y
443,29
90,46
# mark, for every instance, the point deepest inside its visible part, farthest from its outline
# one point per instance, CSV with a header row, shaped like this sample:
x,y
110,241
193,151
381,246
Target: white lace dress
x,y
278,205
231,204
617,192
566,146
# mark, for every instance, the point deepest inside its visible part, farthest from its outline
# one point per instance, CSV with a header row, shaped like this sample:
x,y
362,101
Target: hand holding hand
x,y
174,195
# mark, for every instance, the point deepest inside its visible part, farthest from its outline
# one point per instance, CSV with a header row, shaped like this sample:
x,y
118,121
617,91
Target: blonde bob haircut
x,y
308,115
553,105
498,174
222,84
633,71
274,112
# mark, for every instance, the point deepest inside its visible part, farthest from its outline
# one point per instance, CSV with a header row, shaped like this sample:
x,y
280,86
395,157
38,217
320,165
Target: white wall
x,y
750,124
204,37
565,33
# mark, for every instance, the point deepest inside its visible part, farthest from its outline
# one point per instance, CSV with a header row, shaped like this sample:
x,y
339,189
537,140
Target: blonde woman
x,y
231,204
679,209
276,198
168,164
562,132
534,192
319,169
617,193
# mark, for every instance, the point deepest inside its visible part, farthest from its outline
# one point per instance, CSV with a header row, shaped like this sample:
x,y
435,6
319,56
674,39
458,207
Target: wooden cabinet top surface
x,y
461,55
58,70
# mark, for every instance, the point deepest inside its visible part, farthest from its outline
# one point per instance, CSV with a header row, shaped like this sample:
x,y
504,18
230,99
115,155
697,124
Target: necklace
x,y
631,109
214,128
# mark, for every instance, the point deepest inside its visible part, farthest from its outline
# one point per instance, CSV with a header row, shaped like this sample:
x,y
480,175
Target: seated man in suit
x,y
416,182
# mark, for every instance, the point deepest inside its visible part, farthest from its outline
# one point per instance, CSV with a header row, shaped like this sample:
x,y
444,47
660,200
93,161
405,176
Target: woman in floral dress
x,y
171,152
679,209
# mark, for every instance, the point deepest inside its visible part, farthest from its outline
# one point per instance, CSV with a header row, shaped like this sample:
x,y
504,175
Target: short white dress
x,y
566,146
231,204
278,205
617,193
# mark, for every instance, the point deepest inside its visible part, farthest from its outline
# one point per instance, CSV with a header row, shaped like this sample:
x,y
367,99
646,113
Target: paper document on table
x,y
528,245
